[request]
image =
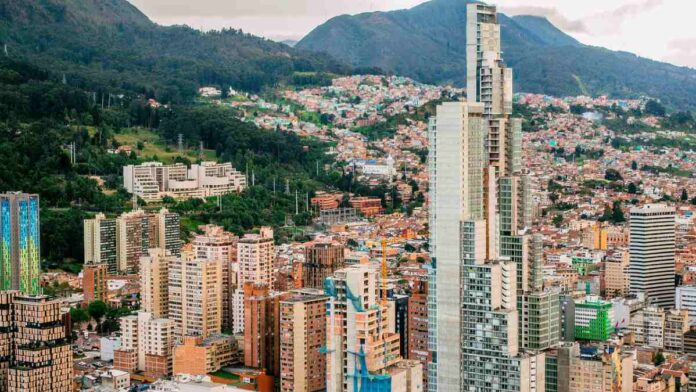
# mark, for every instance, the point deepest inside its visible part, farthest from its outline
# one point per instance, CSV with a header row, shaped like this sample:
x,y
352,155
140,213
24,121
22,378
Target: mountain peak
x,y
428,43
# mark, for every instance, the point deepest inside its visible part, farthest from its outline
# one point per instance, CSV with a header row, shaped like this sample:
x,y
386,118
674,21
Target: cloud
x,y
552,14
601,22
681,51
631,9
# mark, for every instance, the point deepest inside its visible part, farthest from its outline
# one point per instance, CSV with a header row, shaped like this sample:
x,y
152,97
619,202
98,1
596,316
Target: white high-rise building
x,y
478,240
652,243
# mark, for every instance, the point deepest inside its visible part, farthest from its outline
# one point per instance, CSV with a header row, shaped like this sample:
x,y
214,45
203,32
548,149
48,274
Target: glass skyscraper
x,y
20,262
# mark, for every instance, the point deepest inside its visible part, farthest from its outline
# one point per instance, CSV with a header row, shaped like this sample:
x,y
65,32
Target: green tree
x,y
634,165
78,315
632,188
97,309
684,195
617,215
655,108
659,359
557,220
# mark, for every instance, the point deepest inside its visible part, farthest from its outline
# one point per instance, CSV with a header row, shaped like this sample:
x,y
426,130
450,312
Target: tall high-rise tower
x,y
19,242
652,253
479,223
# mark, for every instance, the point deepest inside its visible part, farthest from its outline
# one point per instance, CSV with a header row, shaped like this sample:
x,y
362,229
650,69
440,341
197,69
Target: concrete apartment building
x,y
255,256
418,328
146,345
216,243
154,278
35,353
652,247
617,280
262,327
686,299
20,247
197,356
362,348
676,326
594,368
151,181
94,282
322,259
303,334
195,295
120,242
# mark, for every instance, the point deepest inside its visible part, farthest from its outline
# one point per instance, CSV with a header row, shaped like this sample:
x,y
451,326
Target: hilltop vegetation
x,y
111,47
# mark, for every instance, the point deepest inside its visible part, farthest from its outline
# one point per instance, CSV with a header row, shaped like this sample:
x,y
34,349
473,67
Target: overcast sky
x,y
658,29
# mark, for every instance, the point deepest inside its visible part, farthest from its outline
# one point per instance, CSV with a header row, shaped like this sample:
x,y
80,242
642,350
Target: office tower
x,y
146,345
594,319
303,334
652,242
195,295
490,82
321,260
473,289
361,351
262,327
35,353
94,282
456,191
216,243
255,256
154,282
197,356
20,262
418,328
100,242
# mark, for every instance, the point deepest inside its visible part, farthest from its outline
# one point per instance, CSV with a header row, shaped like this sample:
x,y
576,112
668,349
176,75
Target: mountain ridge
x,y
112,45
427,42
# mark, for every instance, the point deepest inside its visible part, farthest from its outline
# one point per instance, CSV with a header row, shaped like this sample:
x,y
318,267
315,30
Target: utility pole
x,y
287,186
181,143
253,178
7,54
200,151
297,210
274,185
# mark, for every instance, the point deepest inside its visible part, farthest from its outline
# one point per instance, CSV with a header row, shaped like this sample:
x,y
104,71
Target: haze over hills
x,y
428,42
112,45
